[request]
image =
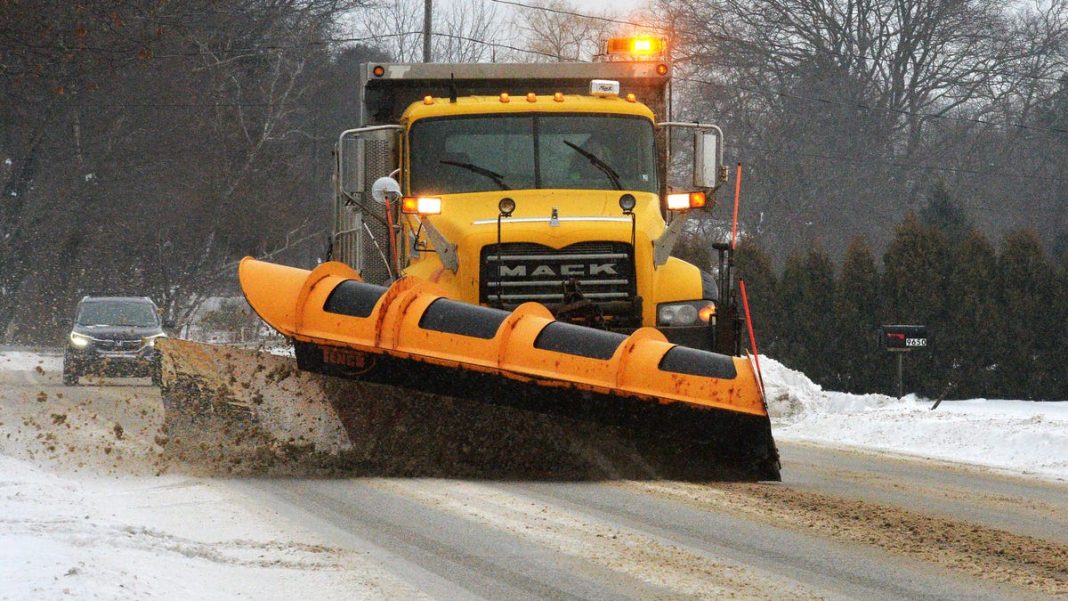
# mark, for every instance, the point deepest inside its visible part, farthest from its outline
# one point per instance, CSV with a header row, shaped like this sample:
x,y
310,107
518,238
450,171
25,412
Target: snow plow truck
x,y
503,233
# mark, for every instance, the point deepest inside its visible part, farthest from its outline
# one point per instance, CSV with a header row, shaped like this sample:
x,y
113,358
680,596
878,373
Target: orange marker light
x,y
532,97
706,312
661,69
504,97
428,100
421,205
632,98
697,200
558,97
378,71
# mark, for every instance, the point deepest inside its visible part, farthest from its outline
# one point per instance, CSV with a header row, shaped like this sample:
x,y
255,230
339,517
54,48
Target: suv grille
x,y
533,272
118,345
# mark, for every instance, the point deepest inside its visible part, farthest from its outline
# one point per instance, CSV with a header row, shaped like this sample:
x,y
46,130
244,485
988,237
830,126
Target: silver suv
x,y
114,336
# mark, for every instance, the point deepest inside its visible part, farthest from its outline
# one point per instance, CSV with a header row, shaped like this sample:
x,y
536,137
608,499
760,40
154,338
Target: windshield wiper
x,y
597,162
493,175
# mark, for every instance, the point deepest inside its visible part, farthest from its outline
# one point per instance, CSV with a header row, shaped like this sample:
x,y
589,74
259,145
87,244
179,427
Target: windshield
x,y
117,313
541,150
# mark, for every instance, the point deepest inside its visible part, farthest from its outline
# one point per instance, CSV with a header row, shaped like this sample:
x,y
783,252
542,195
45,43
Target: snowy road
x,y
82,504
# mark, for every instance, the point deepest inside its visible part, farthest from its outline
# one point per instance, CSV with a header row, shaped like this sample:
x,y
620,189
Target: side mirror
x,y
350,164
384,186
169,324
708,158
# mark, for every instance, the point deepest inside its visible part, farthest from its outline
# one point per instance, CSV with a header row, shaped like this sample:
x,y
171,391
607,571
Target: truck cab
x,y
547,183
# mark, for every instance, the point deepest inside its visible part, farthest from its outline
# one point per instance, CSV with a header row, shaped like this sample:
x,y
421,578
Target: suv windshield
x,y
117,313
541,150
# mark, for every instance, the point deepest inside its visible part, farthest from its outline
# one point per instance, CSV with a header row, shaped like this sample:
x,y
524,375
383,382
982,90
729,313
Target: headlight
x,y
151,340
79,340
685,314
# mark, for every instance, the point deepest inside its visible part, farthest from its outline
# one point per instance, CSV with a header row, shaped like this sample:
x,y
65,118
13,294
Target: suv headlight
x,y
689,313
79,340
151,340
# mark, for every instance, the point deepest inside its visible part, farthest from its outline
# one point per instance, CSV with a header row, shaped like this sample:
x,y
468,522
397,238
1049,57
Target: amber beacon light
x,y
639,46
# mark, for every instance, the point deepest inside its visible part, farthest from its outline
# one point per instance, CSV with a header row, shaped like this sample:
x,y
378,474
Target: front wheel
x,y
70,376
155,371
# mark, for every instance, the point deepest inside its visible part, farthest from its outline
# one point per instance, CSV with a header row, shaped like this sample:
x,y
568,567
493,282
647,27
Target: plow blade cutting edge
x,y
409,335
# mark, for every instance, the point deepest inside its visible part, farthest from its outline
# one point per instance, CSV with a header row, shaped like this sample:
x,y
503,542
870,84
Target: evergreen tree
x,y
819,305
1059,366
791,297
753,265
946,214
917,265
807,293
1028,337
974,318
856,355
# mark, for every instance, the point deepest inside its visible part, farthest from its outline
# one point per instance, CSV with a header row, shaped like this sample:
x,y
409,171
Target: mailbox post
x,y
901,339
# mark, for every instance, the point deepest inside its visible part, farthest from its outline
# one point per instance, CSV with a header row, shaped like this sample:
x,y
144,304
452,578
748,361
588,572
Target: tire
x,y
70,375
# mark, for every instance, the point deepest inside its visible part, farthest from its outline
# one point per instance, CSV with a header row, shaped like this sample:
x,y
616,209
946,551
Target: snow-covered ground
x,y
168,537
1017,436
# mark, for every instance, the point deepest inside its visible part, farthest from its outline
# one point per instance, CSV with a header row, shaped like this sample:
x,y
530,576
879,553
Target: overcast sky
x,y
619,6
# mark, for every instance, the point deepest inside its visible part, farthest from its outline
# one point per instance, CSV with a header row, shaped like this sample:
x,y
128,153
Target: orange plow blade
x,y
409,335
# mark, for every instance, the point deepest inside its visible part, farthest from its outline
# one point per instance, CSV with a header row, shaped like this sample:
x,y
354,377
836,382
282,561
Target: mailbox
x,y
903,338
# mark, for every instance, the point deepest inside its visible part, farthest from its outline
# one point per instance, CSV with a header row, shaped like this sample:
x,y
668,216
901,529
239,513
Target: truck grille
x,y
533,272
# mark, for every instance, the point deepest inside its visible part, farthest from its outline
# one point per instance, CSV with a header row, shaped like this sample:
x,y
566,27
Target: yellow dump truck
x,y
504,232
533,182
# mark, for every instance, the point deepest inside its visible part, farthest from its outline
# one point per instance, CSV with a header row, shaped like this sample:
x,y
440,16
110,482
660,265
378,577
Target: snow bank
x,y
30,361
1020,436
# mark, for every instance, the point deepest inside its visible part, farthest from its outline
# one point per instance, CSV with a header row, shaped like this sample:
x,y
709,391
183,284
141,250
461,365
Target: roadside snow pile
x,y
30,361
1021,436
792,396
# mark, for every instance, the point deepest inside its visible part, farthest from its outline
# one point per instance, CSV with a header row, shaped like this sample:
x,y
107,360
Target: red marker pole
x,y
752,336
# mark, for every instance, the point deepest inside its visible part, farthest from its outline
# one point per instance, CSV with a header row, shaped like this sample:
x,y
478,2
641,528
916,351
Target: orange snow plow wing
x,y
410,335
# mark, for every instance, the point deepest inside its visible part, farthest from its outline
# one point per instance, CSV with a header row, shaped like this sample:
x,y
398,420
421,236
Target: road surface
x,y
842,524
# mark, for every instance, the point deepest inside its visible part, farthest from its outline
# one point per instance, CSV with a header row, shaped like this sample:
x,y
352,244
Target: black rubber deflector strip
x,y
354,298
694,362
444,315
578,340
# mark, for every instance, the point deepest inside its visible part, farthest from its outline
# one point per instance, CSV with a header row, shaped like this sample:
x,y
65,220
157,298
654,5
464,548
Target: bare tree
x,y
462,31
847,110
145,146
554,30
397,27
